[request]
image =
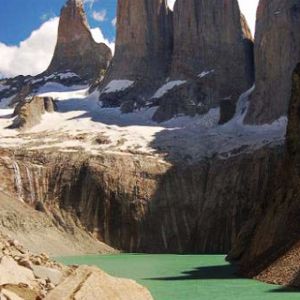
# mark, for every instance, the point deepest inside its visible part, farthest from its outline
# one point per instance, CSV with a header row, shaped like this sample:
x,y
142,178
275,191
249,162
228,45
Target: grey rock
x,y
277,51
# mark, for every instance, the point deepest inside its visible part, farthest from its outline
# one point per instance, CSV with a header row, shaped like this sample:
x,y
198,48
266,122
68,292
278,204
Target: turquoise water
x,y
185,277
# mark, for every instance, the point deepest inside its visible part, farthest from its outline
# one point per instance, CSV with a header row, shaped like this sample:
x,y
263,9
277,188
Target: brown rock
x,y
78,285
213,52
143,45
277,51
269,249
76,50
29,111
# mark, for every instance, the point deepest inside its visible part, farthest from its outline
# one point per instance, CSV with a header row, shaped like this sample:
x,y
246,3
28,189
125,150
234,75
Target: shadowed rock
x,y
268,245
212,52
143,49
277,51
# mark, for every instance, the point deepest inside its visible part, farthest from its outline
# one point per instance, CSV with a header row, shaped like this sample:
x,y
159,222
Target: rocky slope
x,y
25,276
277,51
212,54
76,51
31,225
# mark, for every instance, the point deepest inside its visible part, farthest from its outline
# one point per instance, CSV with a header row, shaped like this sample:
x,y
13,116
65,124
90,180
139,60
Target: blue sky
x,y
18,18
28,30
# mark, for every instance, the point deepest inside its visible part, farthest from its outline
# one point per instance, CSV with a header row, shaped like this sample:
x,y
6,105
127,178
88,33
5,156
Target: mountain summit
x,y
76,50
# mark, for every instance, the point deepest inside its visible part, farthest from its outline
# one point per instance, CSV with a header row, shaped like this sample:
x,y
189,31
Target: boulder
x,y
12,273
52,275
29,111
90,283
277,51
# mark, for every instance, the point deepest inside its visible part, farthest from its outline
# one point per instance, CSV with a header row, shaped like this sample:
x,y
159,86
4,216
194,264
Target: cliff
x,y
76,51
277,51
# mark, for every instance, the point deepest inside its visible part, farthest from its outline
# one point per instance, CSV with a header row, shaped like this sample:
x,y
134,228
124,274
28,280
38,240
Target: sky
x,y
28,30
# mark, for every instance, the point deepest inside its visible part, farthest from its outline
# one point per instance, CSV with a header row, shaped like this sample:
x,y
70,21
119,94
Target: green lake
x,y
185,277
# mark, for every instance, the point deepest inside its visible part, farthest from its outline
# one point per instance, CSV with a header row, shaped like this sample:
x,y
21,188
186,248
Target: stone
x,y
277,51
76,51
8,295
29,111
89,283
12,273
53,275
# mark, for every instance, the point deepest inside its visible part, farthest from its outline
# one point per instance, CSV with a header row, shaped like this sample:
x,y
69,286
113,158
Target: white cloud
x,y
34,55
99,15
248,8
171,3
31,56
99,38
114,22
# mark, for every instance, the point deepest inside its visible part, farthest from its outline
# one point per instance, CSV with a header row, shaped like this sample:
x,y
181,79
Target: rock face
x,y
268,245
139,204
143,47
277,51
29,111
76,50
213,52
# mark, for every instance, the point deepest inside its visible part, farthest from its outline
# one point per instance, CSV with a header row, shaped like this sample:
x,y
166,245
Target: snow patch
x,y
167,87
60,76
205,73
58,91
117,86
3,87
80,122
5,102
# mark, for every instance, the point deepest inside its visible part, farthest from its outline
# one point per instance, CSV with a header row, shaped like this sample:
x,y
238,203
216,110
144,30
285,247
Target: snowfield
x,y
82,125
167,87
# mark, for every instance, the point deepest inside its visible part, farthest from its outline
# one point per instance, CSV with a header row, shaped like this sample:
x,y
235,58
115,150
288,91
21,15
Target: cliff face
x,y
143,46
76,50
141,204
213,53
209,35
143,39
270,248
277,51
